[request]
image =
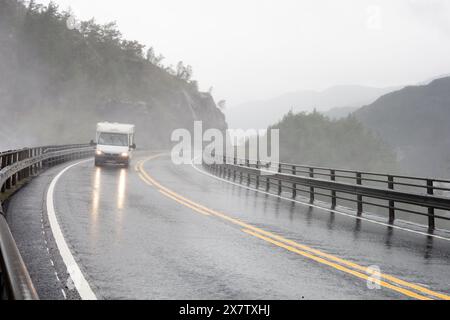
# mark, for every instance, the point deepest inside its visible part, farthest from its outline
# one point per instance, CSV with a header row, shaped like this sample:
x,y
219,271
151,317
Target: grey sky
x,y
256,49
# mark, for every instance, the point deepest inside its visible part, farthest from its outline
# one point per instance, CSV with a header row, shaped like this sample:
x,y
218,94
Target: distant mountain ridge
x,y
263,113
416,122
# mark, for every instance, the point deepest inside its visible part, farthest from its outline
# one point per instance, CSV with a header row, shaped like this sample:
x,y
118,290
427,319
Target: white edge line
x,y
82,286
316,206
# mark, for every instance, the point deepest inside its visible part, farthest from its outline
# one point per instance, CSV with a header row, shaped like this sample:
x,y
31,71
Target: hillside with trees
x,y
415,122
58,77
271,110
314,139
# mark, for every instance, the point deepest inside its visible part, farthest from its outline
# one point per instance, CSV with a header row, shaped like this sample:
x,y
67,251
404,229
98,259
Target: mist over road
x,y
161,231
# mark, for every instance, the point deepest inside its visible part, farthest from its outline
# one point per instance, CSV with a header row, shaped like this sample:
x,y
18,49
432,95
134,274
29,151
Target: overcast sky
x,y
256,49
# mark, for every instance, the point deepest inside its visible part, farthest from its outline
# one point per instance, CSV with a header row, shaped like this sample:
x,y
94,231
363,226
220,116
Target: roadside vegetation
x,y
314,139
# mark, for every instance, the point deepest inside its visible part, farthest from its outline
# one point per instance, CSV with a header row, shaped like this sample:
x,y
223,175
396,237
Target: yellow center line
x,y
185,204
337,266
276,239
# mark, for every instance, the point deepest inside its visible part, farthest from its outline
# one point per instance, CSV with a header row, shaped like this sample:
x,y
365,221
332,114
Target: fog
x,y
259,49
62,72
57,82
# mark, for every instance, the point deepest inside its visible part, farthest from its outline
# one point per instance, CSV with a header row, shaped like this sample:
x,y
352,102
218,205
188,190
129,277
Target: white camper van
x,y
115,143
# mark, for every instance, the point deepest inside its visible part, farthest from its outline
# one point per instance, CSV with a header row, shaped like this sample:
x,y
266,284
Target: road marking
x,y
82,286
183,203
336,266
286,243
328,210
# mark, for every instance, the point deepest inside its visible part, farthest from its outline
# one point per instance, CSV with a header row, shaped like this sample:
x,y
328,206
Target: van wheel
x,y
97,163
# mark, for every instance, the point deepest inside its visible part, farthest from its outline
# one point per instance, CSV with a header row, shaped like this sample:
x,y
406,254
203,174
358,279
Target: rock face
x,y
156,118
56,83
416,121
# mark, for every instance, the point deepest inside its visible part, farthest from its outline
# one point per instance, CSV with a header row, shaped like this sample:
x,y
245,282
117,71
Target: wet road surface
x,y
161,231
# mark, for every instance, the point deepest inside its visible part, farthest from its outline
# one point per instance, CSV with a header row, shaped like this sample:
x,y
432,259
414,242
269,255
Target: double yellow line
x,y
387,281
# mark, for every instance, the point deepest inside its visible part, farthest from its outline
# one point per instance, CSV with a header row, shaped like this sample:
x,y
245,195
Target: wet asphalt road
x,y
133,242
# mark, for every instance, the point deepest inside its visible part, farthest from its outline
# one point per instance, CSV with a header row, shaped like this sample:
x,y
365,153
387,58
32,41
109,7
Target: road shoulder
x,y
27,218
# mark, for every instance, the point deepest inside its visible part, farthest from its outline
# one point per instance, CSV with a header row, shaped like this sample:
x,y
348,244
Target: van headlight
x,y
124,154
98,152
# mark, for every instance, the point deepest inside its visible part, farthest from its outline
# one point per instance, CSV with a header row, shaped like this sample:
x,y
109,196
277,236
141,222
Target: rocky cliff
x,y
56,82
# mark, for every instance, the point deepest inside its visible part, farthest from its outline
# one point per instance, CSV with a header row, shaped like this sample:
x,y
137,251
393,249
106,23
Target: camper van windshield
x,y
113,139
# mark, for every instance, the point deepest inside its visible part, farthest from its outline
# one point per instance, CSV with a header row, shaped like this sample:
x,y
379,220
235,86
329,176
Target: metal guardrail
x,y
16,168
15,282
386,191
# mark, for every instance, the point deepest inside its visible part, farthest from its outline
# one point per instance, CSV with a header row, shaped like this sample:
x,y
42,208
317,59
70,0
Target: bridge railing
x,y
426,197
17,167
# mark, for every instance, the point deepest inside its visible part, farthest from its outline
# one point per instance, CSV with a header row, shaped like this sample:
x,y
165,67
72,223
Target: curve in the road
x,y
328,210
340,264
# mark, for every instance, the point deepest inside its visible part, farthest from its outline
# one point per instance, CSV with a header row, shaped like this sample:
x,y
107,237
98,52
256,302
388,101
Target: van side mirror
x,y
92,143
133,146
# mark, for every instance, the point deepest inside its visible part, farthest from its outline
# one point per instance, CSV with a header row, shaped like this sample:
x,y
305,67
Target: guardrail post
x,y
359,197
8,163
30,168
39,165
391,203
234,169
19,174
280,185
431,218
33,167
294,185
333,192
15,158
247,164
258,165
37,152
311,189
